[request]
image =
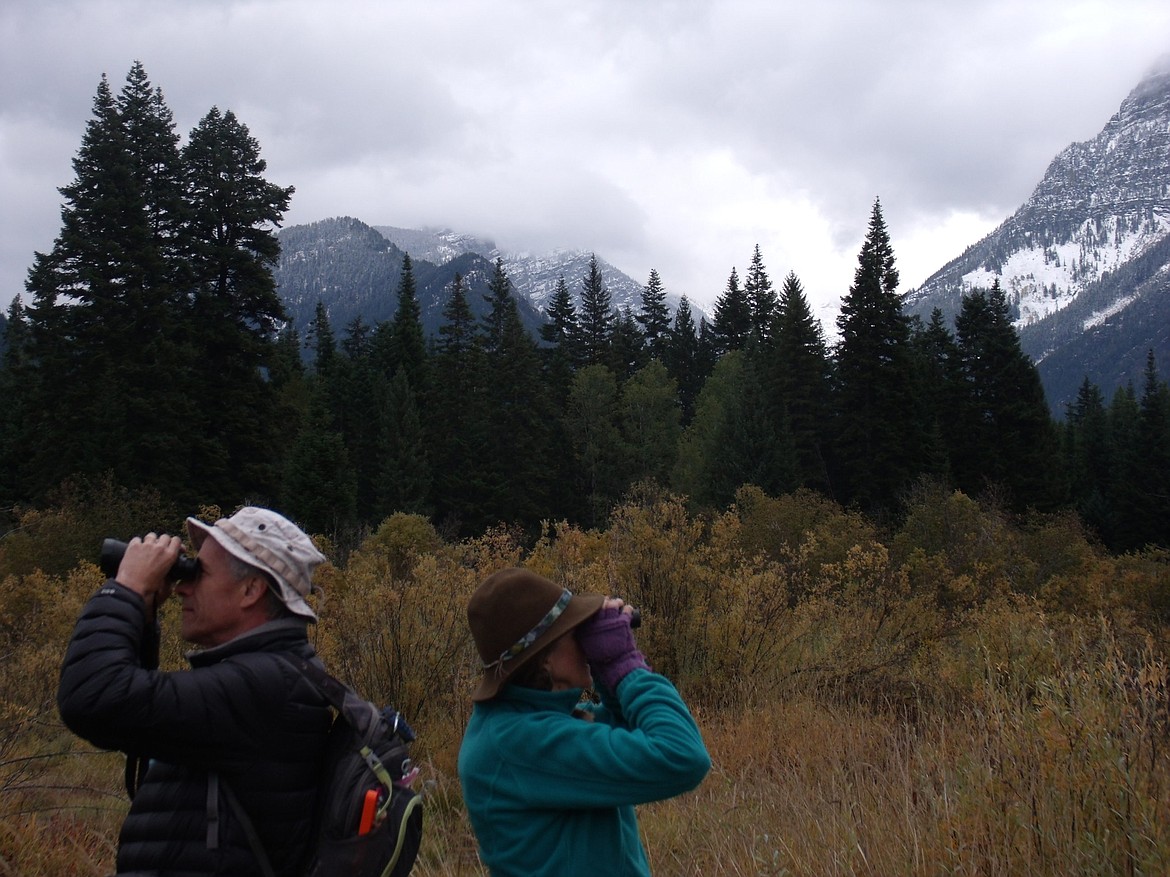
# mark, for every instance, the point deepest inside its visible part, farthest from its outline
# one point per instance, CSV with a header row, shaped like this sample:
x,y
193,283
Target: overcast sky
x,y
667,134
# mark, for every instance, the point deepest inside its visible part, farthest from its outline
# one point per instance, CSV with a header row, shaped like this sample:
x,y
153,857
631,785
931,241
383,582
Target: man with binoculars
x,y
240,722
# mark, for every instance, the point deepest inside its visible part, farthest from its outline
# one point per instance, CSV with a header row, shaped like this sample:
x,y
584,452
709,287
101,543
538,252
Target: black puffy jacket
x,y
241,713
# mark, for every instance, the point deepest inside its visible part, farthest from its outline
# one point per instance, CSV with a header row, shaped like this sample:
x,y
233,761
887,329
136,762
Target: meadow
x,y
962,692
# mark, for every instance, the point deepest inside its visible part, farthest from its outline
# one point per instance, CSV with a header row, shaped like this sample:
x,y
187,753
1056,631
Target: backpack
x,y
368,819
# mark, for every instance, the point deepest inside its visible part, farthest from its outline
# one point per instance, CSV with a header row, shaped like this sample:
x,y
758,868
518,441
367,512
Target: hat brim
x,y
581,608
199,531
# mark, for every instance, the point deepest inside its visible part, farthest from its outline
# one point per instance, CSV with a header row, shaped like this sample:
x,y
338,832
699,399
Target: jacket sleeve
x,y
653,753
107,696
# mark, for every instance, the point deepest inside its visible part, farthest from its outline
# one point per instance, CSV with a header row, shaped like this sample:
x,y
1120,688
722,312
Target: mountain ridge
x,y
1084,249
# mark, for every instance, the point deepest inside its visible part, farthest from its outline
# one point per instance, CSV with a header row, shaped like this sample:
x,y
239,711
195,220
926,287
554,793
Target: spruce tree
x,y
681,358
654,316
733,317
650,422
1008,435
939,393
404,483
1152,523
518,413
562,338
103,312
457,421
797,376
592,423
233,215
627,347
761,298
596,317
877,439
408,344
1089,460
1128,491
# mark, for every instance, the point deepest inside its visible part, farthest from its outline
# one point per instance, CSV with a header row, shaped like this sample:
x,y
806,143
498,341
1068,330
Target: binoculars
x,y
185,568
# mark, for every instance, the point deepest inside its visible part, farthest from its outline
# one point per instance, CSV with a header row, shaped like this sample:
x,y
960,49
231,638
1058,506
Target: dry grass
x,y
942,701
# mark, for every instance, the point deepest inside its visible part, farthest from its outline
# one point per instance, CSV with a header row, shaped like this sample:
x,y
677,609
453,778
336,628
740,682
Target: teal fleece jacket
x,y
549,793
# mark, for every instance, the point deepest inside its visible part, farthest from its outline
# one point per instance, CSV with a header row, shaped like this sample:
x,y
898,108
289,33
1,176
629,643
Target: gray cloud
x,y
668,134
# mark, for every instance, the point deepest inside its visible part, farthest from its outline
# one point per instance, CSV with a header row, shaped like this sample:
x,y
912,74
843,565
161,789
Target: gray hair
x,y
275,605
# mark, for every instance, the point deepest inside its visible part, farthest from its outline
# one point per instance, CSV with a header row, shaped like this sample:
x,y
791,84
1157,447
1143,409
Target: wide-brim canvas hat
x,y
271,542
513,614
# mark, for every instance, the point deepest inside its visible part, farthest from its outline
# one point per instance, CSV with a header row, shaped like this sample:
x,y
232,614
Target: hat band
x,y
265,556
533,635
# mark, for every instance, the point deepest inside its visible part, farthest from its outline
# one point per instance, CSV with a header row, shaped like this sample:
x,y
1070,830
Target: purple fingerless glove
x,y
607,642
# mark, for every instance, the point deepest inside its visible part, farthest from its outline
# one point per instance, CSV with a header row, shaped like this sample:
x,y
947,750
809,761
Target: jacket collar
x,y
281,634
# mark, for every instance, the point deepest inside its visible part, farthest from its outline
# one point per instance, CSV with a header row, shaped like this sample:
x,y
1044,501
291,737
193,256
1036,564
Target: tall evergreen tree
x,y
1009,436
562,337
798,381
654,316
731,441
405,478
1089,460
733,317
878,440
761,298
627,346
234,212
1152,523
650,422
102,317
408,344
592,420
457,420
519,413
681,358
939,391
596,317
1125,445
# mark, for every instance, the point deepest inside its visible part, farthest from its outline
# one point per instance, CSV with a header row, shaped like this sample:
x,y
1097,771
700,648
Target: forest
x,y
923,624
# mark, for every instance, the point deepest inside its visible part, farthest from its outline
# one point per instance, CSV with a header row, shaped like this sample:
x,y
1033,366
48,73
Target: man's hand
x,y
145,565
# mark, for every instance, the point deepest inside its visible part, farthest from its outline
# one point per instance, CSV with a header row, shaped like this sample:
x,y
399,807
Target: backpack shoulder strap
x,y
249,829
330,687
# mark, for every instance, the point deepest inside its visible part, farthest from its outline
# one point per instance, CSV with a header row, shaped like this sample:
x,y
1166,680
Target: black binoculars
x,y
185,568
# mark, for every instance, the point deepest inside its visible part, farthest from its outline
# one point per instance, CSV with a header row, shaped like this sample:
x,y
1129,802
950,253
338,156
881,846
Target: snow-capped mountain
x,y
1084,255
532,275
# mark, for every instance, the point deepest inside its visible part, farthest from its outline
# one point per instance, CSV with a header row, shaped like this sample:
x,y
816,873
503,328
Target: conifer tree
x,y
654,316
650,422
592,421
457,422
877,440
15,390
102,314
761,298
318,484
681,358
233,215
596,317
562,330
407,342
404,483
627,347
1007,431
518,413
798,382
1088,460
1152,523
323,342
733,317
1125,446
562,336
732,441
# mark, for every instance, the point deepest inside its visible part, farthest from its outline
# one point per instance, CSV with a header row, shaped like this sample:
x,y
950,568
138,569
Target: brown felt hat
x,y
515,613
